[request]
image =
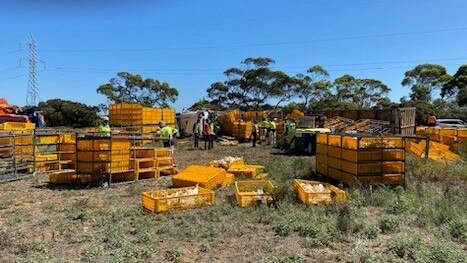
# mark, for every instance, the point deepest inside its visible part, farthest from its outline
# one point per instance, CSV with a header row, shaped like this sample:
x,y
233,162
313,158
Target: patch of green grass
x,y
389,223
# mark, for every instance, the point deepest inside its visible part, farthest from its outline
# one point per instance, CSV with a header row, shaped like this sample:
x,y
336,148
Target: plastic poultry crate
x,y
330,194
177,198
250,193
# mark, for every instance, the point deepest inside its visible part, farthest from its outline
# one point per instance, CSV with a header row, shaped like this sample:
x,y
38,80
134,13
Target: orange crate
x,y
250,193
334,163
391,179
334,151
321,149
204,176
177,198
250,171
334,173
229,179
361,168
322,138
321,159
334,140
321,169
333,194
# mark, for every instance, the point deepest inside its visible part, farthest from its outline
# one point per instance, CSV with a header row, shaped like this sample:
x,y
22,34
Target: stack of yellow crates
x,y
254,115
361,159
242,130
227,119
448,135
100,157
20,145
137,118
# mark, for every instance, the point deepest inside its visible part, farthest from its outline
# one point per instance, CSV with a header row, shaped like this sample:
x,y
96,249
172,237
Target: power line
x,y
221,72
14,77
10,53
9,69
215,70
264,44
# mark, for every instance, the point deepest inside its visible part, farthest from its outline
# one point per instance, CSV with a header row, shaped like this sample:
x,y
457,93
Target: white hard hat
x,y
105,118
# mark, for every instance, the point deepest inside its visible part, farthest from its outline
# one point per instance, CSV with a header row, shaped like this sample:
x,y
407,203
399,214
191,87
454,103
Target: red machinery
x,y
10,113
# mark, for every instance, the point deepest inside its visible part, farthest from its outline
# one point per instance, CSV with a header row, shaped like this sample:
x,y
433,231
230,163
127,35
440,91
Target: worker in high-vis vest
x,y
103,129
168,134
272,132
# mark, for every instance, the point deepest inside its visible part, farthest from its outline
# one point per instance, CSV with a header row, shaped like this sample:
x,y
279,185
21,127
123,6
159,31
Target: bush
x,y
371,231
458,230
406,246
446,252
389,223
400,205
284,229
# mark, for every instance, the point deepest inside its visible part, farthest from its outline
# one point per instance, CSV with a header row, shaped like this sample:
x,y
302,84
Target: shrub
x,y
406,246
389,223
367,257
446,252
371,231
458,230
284,228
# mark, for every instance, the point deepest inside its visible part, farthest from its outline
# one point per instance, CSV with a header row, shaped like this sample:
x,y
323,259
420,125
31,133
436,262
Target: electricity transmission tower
x,y
32,97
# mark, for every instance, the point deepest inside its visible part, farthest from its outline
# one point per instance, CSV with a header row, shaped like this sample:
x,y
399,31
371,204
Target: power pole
x,y
32,97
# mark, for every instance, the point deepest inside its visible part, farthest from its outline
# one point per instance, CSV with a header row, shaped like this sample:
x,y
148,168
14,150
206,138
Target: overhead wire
x,y
263,44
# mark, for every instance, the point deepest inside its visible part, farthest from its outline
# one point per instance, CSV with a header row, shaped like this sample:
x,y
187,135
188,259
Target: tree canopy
x,y
457,86
424,79
312,86
59,112
252,85
129,88
365,93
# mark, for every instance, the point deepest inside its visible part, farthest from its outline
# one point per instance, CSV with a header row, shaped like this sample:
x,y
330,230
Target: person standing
x,y
212,134
103,129
196,132
272,132
207,135
168,134
255,133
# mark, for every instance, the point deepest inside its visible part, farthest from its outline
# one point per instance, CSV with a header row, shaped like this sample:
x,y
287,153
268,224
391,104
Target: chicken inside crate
x,y
227,162
251,193
313,192
177,198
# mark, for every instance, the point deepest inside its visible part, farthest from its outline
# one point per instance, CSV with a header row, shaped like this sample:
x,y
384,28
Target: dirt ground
x,y
44,223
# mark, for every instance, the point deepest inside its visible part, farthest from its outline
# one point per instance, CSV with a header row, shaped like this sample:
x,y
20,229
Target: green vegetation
x,y
426,222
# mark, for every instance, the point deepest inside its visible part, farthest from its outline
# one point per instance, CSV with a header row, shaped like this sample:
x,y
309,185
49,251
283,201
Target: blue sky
x,y
190,43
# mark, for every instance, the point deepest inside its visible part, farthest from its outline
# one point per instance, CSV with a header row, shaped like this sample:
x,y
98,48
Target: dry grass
x,y
425,223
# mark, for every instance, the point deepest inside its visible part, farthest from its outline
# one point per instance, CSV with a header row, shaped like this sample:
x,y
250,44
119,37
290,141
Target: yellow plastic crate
x,y
163,152
47,139
334,163
63,177
388,179
350,142
462,132
229,179
67,138
164,200
321,159
227,165
322,138
373,167
322,169
204,176
373,155
249,171
334,151
321,149
334,195
17,126
114,167
334,173
247,192
334,140
104,156
104,144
